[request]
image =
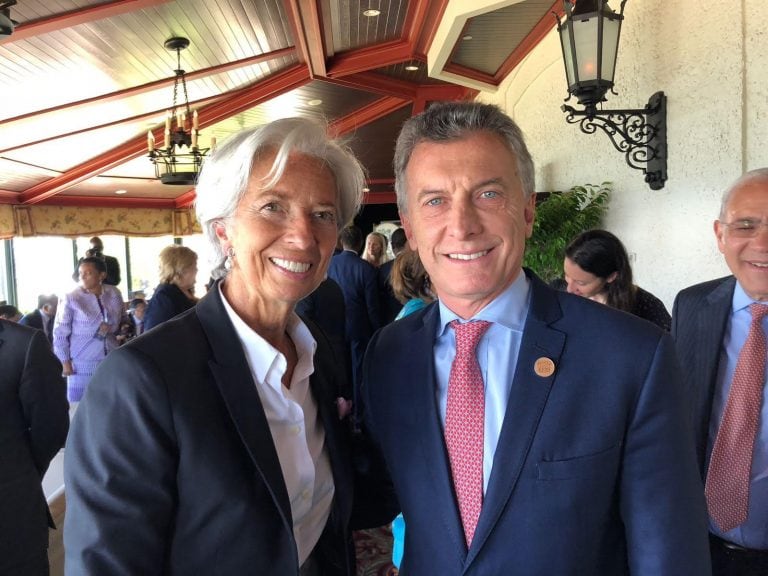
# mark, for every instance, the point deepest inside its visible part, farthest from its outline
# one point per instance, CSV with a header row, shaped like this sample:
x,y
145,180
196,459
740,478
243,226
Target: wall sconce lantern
x,y
589,37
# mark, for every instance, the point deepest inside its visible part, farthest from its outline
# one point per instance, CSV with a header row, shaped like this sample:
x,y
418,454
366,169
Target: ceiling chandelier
x,y
179,160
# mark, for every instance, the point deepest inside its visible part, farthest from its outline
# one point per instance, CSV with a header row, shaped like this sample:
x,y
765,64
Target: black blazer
x,y
167,301
699,317
34,419
170,466
35,320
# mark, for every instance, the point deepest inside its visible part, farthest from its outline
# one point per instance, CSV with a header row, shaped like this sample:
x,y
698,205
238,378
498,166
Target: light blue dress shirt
x,y
497,354
754,532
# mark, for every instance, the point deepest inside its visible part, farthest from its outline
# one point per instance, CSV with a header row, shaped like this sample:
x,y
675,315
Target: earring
x,y
229,258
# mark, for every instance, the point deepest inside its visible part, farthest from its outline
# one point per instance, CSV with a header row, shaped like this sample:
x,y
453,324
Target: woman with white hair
x,y
214,443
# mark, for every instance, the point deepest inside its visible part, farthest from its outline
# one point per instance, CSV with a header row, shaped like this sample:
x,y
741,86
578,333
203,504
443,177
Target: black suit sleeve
x,y
43,396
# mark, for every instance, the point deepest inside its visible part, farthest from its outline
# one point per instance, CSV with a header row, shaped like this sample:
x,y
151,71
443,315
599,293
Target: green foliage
x,y
559,218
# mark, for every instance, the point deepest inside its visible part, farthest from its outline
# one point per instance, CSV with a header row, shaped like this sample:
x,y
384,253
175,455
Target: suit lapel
x,y
711,320
526,403
235,382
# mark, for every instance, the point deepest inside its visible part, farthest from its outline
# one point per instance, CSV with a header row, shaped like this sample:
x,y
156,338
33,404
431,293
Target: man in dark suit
x,y
42,318
34,419
113,266
358,281
711,324
558,444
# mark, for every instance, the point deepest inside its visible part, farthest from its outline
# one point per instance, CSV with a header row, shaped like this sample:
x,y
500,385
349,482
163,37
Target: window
x,y
44,265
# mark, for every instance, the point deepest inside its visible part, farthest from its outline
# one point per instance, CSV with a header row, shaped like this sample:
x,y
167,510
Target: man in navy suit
x,y
586,462
358,281
42,318
710,323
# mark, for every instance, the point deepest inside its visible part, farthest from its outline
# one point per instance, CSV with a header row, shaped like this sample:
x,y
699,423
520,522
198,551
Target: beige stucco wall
x,y
709,59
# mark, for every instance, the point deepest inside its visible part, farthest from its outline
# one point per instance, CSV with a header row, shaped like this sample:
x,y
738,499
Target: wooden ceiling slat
x,y
367,114
77,17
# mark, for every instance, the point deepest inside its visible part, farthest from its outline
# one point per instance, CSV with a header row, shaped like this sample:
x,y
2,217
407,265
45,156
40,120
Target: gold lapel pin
x,y
544,367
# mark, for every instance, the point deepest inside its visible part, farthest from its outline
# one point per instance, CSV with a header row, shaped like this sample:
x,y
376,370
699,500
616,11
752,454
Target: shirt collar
x,y
262,356
741,299
509,309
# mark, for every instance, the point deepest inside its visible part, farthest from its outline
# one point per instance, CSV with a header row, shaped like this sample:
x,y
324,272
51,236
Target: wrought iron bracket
x,y
640,134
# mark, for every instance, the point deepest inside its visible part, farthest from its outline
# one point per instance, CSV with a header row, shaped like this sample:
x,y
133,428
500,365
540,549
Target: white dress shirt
x,y
297,431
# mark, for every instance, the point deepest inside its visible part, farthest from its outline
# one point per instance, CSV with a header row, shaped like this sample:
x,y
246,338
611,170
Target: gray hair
x,y
746,178
224,178
445,121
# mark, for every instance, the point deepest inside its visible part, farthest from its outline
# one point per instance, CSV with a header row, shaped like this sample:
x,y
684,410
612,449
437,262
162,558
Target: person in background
x,y
177,270
358,281
10,312
113,266
213,444
596,266
133,322
720,329
390,305
526,430
42,318
86,326
410,283
375,252
34,421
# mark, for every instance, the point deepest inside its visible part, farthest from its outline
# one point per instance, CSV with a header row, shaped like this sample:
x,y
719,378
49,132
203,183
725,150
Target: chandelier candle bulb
x,y
167,140
150,141
194,138
167,123
195,123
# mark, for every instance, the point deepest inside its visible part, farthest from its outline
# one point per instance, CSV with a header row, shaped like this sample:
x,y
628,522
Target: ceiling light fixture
x,y
7,25
315,102
179,161
411,68
371,12
589,37
121,191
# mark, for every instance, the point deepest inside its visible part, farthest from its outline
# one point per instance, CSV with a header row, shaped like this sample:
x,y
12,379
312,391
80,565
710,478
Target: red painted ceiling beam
x,y
379,198
240,100
149,86
77,17
185,200
371,58
430,25
367,114
378,83
308,29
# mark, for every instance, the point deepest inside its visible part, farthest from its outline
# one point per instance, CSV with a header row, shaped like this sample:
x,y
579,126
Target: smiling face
x,y
467,217
282,238
747,257
374,246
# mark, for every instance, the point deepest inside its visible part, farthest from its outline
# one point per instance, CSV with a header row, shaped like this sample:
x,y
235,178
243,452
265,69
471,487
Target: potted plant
x,y
560,216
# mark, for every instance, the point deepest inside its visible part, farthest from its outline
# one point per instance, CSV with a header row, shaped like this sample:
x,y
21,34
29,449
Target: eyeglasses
x,y
744,228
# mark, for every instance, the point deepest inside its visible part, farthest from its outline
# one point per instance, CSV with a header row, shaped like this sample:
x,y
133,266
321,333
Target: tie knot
x,y
759,311
468,334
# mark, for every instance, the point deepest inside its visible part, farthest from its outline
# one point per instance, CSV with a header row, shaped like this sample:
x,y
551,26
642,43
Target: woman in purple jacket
x,y
87,321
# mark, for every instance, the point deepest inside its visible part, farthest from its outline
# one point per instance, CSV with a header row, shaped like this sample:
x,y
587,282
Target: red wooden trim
x,y
532,39
9,197
186,199
379,198
369,58
236,103
143,88
77,17
307,25
470,73
109,202
378,83
430,25
367,114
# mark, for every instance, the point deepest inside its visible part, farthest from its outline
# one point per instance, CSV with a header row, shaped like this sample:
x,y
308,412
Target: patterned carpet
x,y
374,552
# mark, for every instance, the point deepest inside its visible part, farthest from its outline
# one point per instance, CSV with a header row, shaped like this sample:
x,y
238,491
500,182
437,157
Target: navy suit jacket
x,y
358,281
594,474
35,320
170,466
34,419
699,318
167,301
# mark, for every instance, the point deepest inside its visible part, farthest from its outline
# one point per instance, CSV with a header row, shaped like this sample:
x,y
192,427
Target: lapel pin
x,y
544,367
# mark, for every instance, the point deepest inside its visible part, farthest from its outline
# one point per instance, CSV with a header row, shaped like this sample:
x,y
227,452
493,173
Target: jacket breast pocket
x,y
598,464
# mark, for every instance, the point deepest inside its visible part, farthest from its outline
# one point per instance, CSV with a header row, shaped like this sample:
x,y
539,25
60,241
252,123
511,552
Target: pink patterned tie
x,y
464,420
728,478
